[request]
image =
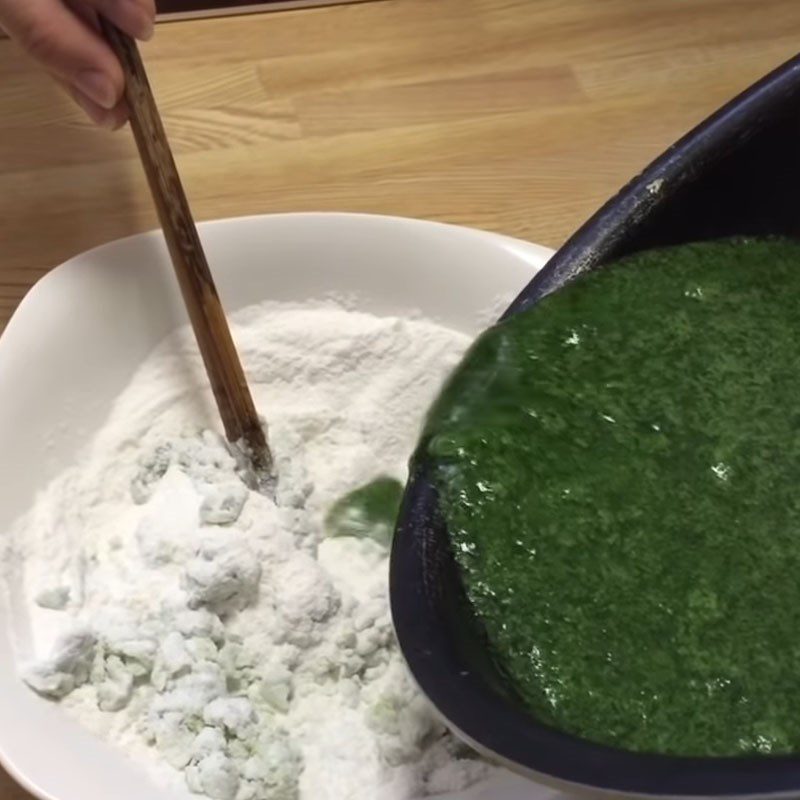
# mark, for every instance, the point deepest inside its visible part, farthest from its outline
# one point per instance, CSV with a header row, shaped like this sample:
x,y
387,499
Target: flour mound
x,y
201,625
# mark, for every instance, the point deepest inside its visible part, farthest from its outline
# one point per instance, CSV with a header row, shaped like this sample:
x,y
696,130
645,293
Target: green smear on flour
x,y
369,511
619,469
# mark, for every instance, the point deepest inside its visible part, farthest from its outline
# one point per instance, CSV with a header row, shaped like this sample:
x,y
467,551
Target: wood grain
x,y
512,115
223,367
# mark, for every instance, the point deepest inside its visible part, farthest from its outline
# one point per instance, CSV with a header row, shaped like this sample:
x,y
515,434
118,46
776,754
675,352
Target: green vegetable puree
x,y
619,469
370,511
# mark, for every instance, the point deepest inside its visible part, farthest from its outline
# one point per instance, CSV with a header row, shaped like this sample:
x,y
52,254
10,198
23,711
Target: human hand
x,y
64,37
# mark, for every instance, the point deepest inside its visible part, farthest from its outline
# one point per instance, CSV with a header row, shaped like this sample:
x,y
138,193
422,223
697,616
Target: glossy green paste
x,y
370,511
619,470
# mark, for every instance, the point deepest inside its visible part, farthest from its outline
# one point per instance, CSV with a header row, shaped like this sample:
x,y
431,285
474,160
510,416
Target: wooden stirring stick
x,y
207,316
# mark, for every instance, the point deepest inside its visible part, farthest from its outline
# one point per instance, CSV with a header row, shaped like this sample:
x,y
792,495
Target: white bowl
x,y
79,335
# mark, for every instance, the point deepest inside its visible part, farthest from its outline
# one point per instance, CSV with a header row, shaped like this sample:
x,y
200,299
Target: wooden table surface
x,y
519,116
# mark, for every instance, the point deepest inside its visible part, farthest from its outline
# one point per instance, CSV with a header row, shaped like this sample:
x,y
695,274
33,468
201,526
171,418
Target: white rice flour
x,y
200,625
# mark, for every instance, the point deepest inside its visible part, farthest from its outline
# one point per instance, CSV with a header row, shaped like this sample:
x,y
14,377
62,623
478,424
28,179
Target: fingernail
x,y
144,28
97,115
147,30
98,87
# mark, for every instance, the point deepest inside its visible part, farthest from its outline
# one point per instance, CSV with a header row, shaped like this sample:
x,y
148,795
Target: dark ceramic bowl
x,y
736,173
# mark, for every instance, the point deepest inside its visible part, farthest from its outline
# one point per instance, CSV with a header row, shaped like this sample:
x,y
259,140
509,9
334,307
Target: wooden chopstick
x,y
231,392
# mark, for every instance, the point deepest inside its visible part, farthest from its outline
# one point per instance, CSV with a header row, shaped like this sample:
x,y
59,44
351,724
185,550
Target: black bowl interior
x,y
738,173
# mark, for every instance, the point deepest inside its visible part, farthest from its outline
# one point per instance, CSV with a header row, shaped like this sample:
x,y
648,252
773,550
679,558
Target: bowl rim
x,y
493,725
